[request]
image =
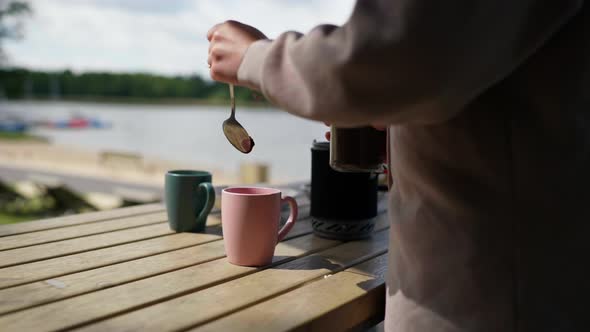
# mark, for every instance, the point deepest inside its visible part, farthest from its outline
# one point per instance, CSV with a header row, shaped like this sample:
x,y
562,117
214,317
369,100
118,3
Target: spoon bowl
x,y
234,131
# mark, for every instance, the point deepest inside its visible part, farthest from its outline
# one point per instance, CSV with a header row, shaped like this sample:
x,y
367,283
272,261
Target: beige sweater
x,y
489,113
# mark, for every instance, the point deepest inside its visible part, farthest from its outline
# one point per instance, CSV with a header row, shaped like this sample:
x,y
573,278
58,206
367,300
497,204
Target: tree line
x,y
19,83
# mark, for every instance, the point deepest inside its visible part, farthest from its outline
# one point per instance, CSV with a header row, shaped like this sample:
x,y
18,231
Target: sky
x,y
159,36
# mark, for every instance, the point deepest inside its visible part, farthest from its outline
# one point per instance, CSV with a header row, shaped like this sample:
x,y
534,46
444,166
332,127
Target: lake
x,y
183,133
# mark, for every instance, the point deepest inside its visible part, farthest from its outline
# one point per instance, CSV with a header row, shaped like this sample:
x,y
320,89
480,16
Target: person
x,y
488,109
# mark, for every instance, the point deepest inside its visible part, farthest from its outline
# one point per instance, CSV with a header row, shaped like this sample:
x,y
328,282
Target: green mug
x,y
189,199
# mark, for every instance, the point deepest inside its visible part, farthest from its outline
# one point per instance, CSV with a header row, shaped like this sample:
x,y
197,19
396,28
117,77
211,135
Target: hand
x,y
228,44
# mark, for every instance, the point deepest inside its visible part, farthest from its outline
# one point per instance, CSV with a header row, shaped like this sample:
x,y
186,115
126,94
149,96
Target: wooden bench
x,y
130,197
7,193
66,200
254,173
118,160
125,270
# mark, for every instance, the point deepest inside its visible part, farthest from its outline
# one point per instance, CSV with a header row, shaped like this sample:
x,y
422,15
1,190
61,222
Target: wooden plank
x,y
38,225
93,217
104,303
66,221
24,296
51,268
345,301
211,303
73,246
65,233
17,298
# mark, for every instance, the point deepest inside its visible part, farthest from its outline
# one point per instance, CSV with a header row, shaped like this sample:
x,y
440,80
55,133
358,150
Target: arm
x,y
404,61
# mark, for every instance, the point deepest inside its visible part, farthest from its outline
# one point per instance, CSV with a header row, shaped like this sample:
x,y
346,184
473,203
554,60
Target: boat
x,y
13,125
79,122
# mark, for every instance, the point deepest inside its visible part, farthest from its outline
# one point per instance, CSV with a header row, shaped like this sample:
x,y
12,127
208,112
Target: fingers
x,y
228,41
216,48
212,57
216,76
210,47
219,49
218,72
216,53
212,31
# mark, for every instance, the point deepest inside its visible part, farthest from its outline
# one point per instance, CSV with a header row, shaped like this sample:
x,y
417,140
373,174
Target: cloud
x,y
158,7
151,35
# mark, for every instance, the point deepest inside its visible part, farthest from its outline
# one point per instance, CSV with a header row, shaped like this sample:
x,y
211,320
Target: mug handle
x,y
209,199
292,217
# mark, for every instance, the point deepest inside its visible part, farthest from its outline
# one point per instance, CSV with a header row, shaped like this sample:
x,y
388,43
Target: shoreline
x,y
264,106
108,165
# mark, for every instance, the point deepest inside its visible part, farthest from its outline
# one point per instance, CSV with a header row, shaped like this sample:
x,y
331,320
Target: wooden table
x,y
125,270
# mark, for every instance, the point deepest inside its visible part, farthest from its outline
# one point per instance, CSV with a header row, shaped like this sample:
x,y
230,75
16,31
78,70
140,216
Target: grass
x,y
8,136
20,210
10,219
13,136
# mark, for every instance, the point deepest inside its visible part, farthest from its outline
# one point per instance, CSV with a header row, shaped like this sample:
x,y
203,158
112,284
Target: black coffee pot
x,y
343,204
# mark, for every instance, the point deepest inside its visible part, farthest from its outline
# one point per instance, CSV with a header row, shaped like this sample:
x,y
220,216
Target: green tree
x,y
19,83
11,24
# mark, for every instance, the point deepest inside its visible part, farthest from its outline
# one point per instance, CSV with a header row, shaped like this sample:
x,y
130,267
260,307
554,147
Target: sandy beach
x,y
109,165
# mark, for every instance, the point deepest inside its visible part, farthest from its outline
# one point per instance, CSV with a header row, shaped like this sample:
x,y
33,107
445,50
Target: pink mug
x,y
250,221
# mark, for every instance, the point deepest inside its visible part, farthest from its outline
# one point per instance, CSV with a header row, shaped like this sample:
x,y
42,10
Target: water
x,y
185,133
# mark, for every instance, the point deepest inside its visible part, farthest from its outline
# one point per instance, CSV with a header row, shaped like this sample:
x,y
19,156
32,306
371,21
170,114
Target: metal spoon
x,y
233,130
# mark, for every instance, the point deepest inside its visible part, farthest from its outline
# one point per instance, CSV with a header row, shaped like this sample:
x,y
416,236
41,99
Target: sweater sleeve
x,y
401,61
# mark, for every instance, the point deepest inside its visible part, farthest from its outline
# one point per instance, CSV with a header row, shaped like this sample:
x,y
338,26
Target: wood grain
x,y
214,302
58,288
166,281
90,217
100,304
51,268
78,219
65,233
341,302
96,227
73,246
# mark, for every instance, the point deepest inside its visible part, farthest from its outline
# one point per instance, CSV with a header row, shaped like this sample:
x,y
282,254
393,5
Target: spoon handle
x,y
232,99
